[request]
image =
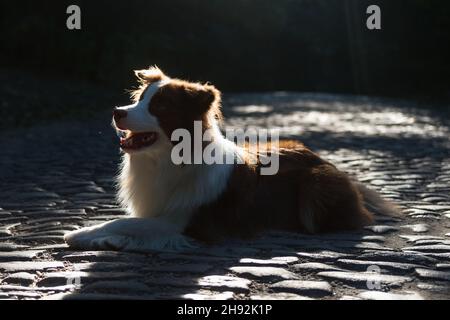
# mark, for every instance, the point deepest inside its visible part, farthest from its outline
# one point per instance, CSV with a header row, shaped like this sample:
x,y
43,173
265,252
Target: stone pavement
x,y
60,177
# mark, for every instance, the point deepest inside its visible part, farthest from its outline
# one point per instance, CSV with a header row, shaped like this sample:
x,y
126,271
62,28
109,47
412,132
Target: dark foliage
x,y
239,45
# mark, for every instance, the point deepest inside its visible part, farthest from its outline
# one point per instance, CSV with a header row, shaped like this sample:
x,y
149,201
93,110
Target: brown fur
x,y
180,103
307,195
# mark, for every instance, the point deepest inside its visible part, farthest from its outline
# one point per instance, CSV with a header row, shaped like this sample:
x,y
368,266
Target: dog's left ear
x,y
202,97
150,75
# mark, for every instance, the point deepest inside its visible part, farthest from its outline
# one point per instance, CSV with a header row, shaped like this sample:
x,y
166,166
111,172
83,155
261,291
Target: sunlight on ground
x,y
294,122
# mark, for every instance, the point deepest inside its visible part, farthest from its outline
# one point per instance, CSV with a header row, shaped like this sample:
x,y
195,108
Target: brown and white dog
x,y
172,203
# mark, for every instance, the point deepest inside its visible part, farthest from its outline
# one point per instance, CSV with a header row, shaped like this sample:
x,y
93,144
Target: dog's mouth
x,y
137,140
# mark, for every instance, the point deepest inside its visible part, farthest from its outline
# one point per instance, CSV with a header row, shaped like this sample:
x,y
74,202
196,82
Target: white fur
x,y
129,234
138,118
159,195
152,186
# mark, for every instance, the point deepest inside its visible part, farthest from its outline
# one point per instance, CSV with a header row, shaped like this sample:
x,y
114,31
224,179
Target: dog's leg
x,y
130,234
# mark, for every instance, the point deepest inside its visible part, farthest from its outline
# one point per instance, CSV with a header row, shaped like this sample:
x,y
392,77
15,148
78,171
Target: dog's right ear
x,y
150,75
200,97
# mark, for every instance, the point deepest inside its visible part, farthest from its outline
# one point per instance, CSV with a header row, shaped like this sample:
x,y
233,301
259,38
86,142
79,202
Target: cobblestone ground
x,y
60,177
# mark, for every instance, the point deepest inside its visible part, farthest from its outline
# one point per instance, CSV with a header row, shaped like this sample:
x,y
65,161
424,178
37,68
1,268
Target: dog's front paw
x,y
135,235
78,238
95,239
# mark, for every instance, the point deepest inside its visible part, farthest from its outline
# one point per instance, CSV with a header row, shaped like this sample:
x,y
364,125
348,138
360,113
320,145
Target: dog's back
x,y
308,194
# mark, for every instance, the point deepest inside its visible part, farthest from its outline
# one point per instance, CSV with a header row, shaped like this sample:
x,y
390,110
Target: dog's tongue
x,y
138,140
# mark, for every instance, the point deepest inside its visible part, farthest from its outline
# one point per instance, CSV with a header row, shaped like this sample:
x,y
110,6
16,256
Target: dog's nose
x,y
119,114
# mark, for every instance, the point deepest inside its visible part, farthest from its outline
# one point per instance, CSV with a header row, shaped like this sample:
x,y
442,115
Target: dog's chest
x,y
170,191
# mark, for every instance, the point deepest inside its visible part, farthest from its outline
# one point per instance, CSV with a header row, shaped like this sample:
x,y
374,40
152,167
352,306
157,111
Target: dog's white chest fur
x,y
151,187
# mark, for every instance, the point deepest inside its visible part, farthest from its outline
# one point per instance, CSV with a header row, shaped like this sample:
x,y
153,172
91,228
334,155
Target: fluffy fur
x,y
170,204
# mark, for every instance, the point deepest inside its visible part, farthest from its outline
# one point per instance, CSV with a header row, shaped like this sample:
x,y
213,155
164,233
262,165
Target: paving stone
x,y
307,288
205,295
5,214
380,295
226,251
123,286
70,277
381,228
60,219
113,211
19,255
52,247
53,226
314,267
374,238
440,256
40,238
361,245
24,294
144,267
397,256
9,287
106,266
323,255
430,248
440,287
98,296
362,265
104,256
433,274
269,273
276,261
432,242
29,266
346,297
437,208
414,238
421,227
329,244
4,232
279,296
285,259
215,282
20,278
192,258
361,279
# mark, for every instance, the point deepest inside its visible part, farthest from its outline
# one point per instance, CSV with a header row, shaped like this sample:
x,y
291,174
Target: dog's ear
x,y
150,75
201,97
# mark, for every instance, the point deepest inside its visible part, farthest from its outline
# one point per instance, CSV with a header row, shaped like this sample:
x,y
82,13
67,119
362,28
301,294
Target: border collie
x,y
170,204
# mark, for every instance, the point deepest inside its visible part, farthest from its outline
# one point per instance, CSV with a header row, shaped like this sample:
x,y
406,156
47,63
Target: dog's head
x,y
162,105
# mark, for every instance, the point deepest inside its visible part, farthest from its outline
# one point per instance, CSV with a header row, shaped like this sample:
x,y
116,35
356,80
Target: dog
x,y
171,204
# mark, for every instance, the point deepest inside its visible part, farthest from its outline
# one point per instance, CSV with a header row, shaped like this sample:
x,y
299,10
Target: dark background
x,y
238,45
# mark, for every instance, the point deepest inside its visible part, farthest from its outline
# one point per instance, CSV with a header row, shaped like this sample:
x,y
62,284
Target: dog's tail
x,y
376,204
